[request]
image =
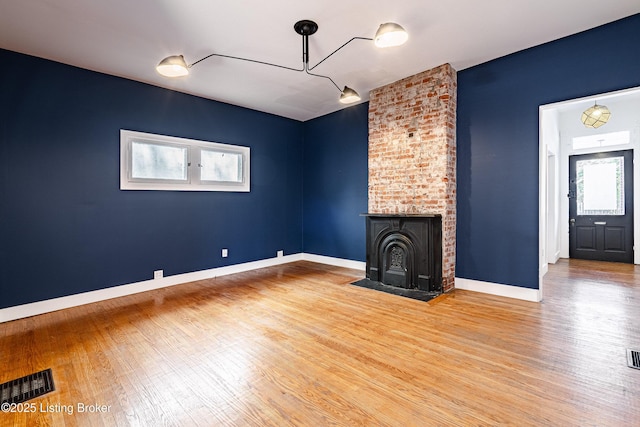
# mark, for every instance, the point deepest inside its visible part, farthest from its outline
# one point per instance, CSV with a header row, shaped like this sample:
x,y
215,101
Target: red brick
x,y
416,174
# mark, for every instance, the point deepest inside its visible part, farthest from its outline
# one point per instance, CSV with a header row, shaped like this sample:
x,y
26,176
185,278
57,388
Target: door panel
x,y
601,206
614,239
586,238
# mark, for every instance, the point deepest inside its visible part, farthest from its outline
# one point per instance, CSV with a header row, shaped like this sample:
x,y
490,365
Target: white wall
x,y
551,137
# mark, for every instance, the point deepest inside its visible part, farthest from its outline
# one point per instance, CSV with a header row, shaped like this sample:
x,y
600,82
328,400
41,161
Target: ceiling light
x,y
388,34
173,66
595,116
349,96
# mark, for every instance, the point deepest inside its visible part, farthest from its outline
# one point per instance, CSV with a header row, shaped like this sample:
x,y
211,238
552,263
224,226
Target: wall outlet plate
x,y
225,253
280,254
158,274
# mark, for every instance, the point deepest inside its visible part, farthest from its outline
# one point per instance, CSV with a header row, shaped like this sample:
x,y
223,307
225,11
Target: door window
x,y
600,186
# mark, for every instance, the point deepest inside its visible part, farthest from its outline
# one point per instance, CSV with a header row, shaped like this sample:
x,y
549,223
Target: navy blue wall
x,y
65,227
335,183
497,142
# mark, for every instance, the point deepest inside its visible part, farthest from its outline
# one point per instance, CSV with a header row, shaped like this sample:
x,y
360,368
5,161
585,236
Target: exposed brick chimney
x,y
412,153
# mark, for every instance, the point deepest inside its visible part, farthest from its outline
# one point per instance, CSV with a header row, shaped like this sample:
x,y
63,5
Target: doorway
x,y
601,206
559,127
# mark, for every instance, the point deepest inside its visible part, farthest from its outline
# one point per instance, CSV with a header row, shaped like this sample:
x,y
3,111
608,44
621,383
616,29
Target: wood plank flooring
x,y
296,345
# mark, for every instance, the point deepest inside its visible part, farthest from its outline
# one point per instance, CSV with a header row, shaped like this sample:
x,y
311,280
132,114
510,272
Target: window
x,y
220,166
601,140
600,186
155,161
158,162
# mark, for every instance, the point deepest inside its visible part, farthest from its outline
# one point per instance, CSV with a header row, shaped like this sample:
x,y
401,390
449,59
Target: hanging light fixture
x,y
595,116
388,35
173,66
349,96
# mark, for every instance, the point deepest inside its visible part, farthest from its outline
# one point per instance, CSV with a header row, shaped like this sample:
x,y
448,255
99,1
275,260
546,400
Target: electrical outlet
x,y
158,274
225,253
280,254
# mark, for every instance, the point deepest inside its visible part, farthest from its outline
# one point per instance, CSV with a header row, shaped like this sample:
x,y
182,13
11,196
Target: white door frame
x,y
547,118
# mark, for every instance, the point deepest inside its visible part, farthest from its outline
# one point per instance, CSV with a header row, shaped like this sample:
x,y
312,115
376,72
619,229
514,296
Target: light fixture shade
x,y
173,66
349,96
390,34
596,116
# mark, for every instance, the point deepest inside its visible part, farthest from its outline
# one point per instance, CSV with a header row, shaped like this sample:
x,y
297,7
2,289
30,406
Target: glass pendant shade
x,y
390,34
173,66
595,116
349,96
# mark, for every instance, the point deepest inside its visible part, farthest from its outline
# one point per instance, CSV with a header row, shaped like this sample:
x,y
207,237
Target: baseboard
x,y
544,268
338,262
509,291
41,307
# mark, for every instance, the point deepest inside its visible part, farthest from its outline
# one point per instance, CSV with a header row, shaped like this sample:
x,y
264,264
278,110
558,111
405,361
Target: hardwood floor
x,y
297,345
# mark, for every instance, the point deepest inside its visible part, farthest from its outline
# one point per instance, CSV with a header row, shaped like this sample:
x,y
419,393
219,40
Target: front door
x,y
601,206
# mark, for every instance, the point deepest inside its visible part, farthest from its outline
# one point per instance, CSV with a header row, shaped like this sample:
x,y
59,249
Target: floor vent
x,y
633,358
26,388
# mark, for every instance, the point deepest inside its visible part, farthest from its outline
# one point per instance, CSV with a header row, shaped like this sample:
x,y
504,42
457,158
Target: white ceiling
x,y
128,38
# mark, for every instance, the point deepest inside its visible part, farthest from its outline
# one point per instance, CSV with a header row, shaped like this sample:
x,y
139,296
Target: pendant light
x,y
595,116
173,66
349,96
390,35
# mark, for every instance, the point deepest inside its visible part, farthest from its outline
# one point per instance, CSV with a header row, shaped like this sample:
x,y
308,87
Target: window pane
x,y
157,161
602,140
600,186
221,166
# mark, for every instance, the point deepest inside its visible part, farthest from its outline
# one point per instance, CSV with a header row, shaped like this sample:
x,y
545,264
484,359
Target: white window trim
x,y
621,139
193,182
